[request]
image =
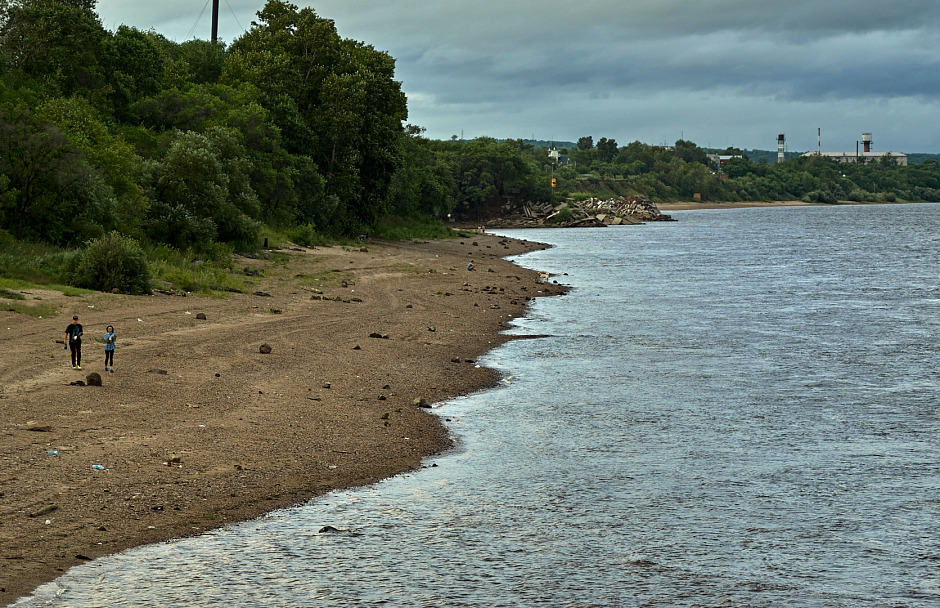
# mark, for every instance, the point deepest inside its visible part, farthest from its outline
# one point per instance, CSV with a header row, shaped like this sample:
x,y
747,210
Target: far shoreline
x,y
691,205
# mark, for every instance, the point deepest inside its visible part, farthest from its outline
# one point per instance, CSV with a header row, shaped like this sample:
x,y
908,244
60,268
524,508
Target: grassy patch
x,y
404,229
71,292
33,310
205,280
34,263
210,275
11,283
11,295
8,284
327,278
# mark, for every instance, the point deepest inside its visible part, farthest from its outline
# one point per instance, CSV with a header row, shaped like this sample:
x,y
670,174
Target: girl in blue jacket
x,y
109,349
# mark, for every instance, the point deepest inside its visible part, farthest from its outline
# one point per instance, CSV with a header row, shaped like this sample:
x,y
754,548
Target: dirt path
x,y
197,428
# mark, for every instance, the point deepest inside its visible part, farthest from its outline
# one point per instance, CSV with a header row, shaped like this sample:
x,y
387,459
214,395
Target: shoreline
x,y
198,429
686,206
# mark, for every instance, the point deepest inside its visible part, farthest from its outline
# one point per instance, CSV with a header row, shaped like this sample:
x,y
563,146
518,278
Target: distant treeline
x,y
293,128
493,176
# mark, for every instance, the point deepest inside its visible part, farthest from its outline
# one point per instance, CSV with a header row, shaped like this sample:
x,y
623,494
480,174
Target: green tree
x,y
200,192
606,149
424,182
136,66
46,178
57,43
344,90
114,160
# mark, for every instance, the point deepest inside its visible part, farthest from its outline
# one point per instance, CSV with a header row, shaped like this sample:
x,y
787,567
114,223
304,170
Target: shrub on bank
x,y
113,261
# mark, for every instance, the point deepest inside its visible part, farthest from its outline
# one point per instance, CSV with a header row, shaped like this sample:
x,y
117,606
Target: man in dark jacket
x,y
73,340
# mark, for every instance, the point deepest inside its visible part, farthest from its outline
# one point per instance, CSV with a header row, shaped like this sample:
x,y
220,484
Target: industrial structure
x,y
864,156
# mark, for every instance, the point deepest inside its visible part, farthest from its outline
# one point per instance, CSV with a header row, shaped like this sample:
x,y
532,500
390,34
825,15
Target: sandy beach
x,y
198,428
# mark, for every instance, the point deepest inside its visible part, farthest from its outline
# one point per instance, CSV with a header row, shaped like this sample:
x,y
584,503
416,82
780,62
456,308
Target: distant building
x,y
862,157
557,157
720,159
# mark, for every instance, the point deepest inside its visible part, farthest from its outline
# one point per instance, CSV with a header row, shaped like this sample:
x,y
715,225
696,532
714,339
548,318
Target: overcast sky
x,y
716,72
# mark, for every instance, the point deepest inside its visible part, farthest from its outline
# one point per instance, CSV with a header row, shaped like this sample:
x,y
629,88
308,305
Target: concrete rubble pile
x,y
591,212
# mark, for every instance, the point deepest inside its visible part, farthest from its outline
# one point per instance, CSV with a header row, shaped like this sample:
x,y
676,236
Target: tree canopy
x,y
194,144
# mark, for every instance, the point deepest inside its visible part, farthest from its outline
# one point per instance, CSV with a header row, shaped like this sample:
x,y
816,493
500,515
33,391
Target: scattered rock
x,y
38,427
161,372
263,294
357,347
421,402
264,349
328,530
376,334
44,511
93,379
201,316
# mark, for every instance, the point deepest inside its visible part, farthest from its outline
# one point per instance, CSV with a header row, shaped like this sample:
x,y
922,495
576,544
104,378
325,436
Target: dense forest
x,y
121,149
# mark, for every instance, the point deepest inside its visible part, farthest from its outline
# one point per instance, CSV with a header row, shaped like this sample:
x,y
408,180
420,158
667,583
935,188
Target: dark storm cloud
x,y
734,72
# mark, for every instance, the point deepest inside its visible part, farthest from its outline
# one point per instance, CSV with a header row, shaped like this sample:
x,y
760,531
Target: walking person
x,y
109,349
73,339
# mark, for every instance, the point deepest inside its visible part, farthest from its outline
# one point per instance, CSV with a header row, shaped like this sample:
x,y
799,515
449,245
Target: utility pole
x,y
215,20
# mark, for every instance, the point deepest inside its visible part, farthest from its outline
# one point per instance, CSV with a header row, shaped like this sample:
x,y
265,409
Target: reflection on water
x,y
737,409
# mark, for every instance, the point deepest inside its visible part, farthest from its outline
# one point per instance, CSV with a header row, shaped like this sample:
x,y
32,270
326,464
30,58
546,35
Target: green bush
x,y
820,196
563,215
404,228
113,261
306,236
